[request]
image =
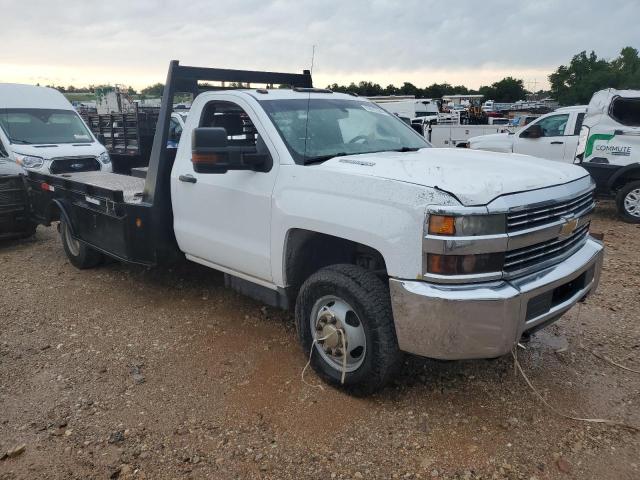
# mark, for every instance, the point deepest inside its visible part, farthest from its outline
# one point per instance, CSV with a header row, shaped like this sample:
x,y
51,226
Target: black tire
x,y
80,255
370,300
620,202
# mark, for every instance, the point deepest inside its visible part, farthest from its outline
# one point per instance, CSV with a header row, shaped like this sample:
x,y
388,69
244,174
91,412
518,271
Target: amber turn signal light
x,y
442,225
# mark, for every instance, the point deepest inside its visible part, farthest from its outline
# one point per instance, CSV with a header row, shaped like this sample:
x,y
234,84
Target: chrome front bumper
x,y
485,320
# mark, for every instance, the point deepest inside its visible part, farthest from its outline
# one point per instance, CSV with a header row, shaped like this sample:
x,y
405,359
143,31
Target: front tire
x,y
628,202
80,255
355,301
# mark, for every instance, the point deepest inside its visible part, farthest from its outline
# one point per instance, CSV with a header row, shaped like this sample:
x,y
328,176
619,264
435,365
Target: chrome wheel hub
x,y
632,203
339,333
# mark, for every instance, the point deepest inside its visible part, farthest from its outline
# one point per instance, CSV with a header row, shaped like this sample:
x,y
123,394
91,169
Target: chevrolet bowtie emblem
x,y
569,227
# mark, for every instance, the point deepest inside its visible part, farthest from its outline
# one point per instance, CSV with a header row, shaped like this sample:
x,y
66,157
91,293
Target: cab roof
x,y
293,94
16,95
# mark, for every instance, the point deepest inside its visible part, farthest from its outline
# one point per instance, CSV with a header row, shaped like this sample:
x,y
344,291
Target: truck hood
x,y
48,152
503,139
473,177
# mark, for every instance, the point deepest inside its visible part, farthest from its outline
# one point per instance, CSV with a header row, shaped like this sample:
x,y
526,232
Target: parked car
x,y
327,204
609,148
41,131
553,136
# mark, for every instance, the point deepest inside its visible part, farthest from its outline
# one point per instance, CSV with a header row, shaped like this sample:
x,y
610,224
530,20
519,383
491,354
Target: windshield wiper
x,y
407,149
22,142
324,158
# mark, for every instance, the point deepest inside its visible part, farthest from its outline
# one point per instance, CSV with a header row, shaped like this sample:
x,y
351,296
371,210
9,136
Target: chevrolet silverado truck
x,y
327,204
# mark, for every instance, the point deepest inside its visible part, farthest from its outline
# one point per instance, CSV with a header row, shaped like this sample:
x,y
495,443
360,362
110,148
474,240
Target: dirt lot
x,y
122,372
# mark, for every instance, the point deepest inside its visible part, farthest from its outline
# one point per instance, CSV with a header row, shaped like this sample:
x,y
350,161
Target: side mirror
x,y
534,131
211,153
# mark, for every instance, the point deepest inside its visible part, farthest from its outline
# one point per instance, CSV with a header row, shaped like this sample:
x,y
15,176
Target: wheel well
x,y
626,177
308,251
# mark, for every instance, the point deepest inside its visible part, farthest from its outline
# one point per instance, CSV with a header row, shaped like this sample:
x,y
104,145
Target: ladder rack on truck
x,y
130,218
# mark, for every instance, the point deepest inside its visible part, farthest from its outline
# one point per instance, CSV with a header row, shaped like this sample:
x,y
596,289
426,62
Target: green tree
x,y
627,68
153,91
586,74
508,89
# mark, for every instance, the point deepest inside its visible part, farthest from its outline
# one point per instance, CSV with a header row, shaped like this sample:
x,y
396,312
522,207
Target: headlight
x,y
464,264
104,158
28,161
466,226
464,244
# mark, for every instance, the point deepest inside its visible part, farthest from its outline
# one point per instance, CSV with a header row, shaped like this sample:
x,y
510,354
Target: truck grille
x,y
12,192
540,215
74,164
546,253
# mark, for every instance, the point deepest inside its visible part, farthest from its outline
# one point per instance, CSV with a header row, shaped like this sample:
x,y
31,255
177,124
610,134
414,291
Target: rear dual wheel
x,y
79,254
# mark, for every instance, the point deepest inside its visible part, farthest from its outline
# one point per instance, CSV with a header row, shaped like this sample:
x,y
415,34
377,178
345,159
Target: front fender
x,y
385,215
634,167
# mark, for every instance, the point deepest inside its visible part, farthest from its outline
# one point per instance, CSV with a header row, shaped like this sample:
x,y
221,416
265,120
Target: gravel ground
x,y
123,372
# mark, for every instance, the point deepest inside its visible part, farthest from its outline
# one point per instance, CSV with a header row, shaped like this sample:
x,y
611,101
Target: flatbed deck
x,y
131,187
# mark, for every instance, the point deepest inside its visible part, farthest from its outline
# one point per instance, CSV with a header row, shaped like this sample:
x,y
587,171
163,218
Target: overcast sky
x,y
471,42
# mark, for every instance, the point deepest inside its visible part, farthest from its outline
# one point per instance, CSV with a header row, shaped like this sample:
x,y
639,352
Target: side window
x,y
244,143
231,117
175,130
626,111
553,126
579,120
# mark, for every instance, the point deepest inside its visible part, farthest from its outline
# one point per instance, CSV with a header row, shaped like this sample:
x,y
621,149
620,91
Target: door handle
x,y
557,143
187,178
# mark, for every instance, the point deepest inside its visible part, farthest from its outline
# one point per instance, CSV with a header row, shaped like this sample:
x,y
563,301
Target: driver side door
x,y
223,220
551,145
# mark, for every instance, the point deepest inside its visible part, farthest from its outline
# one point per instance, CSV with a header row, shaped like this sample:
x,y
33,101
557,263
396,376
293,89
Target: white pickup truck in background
x,y
553,136
327,204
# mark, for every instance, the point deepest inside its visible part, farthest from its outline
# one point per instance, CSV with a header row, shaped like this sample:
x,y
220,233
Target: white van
x,y
609,148
40,130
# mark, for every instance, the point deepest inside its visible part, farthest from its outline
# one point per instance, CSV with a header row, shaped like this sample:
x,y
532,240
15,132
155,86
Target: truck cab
x,y
41,131
553,136
328,205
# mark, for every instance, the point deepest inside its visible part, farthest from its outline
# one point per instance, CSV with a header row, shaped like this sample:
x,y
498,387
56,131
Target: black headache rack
x,y
132,220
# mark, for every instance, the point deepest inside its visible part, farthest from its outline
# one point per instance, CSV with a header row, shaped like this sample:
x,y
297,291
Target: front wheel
x,y
628,202
344,313
80,255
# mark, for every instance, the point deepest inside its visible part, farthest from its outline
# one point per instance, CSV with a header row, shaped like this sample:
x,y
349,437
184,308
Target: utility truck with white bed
x,y
329,205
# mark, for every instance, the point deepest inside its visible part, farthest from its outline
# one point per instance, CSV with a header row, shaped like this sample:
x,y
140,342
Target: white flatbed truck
x,y
326,204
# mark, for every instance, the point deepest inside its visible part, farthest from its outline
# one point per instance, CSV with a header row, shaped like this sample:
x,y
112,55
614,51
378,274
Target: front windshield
x,y
337,127
25,126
